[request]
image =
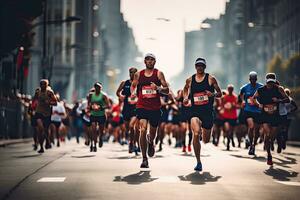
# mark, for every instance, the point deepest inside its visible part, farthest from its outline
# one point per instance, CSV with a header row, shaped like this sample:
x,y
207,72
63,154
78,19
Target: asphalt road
x,y
72,172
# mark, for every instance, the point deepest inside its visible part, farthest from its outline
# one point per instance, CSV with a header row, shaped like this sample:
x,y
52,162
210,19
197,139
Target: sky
x,y
166,38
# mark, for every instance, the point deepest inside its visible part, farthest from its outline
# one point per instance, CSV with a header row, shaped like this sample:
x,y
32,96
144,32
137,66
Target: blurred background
x,y
74,43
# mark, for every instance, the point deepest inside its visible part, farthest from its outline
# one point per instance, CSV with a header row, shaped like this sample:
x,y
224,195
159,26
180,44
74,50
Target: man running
x,y
201,86
251,111
98,102
269,96
128,111
45,100
229,102
149,82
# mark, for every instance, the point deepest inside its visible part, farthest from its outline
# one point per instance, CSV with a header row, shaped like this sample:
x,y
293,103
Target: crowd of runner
x,y
148,113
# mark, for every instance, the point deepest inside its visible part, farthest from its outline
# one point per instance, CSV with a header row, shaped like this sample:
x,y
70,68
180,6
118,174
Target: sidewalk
x,y
6,142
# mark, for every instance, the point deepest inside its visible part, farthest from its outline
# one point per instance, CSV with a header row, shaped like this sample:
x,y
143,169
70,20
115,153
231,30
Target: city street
x,y
72,172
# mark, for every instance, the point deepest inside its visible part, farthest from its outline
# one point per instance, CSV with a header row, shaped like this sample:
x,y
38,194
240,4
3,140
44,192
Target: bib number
x,y
200,98
250,101
270,108
132,100
148,92
96,107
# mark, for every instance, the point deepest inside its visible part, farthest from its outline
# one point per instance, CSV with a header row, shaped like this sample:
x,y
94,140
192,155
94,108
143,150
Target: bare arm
x,y
186,89
255,96
216,86
134,83
107,102
285,98
165,87
119,90
53,100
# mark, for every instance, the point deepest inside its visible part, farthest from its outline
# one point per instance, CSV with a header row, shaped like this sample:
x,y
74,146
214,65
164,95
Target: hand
x,y
122,97
274,99
260,106
153,86
209,94
186,102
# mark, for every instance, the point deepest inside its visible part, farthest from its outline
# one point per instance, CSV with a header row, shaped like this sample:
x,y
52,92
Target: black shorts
x,y
218,121
128,113
176,119
33,121
283,120
45,119
272,119
254,115
98,119
154,116
185,114
164,116
232,122
207,119
56,124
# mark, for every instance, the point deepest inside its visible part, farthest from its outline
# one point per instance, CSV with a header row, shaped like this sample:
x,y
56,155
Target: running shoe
x,y
130,148
251,150
41,150
269,160
189,148
184,149
145,164
95,148
100,142
198,167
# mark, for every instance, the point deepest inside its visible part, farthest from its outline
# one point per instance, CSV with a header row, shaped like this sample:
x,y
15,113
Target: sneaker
x,y
100,142
184,149
251,151
198,167
269,160
95,149
135,149
247,143
48,145
34,147
283,146
58,144
189,148
41,150
151,148
145,164
91,148
130,148
279,148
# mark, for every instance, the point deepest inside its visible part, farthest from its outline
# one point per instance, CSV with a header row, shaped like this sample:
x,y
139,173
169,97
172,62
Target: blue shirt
x,y
248,90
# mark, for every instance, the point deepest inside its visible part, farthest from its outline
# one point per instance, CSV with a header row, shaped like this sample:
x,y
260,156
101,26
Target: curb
x,y
5,143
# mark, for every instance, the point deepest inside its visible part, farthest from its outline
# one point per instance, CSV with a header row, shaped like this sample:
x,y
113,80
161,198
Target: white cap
x,y
271,77
150,55
200,61
252,73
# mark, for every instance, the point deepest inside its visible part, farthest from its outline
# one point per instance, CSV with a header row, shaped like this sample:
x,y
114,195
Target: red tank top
x,y
147,98
229,103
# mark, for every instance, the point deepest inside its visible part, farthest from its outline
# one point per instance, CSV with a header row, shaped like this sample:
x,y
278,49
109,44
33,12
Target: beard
x,y
149,66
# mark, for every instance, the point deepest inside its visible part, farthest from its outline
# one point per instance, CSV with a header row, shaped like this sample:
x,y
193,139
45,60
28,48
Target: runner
x,y
252,113
148,83
269,96
129,110
229,102
98,102
201,86
58,112
45,100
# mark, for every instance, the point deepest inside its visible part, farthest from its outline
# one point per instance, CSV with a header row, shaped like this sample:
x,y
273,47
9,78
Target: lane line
x,y
51,180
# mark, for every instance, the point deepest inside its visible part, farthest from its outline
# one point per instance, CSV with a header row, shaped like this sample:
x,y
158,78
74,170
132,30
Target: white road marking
x,y
52,180
291,183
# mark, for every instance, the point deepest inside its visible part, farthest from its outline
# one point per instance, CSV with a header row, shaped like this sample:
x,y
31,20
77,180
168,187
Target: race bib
x,y
96,107
250,101
228,106
200,98
270,108
132,100
148,92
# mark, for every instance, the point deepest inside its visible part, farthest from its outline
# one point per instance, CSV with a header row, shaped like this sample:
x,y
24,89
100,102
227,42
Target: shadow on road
x,y
83,156
135,179
291,154
278,161
28,156
280,174
132,157
197,178
258,158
